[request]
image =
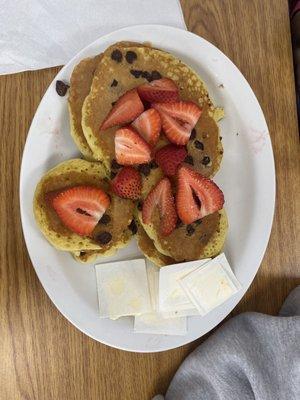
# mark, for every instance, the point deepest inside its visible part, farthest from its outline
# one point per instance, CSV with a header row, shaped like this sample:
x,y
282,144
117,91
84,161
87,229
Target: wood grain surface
x,y
42,355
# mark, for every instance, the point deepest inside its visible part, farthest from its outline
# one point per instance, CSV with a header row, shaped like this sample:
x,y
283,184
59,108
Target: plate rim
x,y
271,165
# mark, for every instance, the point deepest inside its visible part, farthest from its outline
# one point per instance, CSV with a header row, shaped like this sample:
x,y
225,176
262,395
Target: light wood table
x,y
42,355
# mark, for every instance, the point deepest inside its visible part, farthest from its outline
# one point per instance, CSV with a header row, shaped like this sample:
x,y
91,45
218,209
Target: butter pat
x,y
153,323
123,289
210,285
172,297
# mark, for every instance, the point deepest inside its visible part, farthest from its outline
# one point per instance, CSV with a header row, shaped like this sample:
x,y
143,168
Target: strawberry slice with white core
x,y
161,90
127,108
176,132
148,125
161,196
178,119
197,196
131,148
80,208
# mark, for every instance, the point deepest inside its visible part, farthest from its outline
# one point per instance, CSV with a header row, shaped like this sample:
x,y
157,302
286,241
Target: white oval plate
x,y
247,178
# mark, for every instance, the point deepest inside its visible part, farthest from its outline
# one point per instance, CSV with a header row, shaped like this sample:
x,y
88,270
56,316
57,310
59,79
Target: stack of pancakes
x,y
96,84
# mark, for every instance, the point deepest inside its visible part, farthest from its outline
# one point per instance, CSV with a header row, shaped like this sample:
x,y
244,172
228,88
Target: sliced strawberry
x,y
126,109
148,125
178,119
162,197
127,184
160,90
131,148
197,196
177,133
170,157
185,111
80,208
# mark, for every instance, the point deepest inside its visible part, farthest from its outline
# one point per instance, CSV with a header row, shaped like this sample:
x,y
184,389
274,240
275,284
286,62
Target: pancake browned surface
x,y
80,84
99,101
70,174
148,248
207,239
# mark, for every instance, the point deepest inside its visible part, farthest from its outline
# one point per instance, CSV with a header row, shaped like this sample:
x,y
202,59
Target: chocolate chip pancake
x,y
203,238
124,66
111,231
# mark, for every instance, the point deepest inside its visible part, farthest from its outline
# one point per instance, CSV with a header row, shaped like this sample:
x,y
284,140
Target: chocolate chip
x,y
221,138
205,160
190,230
193,134
104,237
199,145
112,174
113,103
114,83
198,222
82,253
153,165
116,55
221,152
189,160
105,219
179,224
137,73
147,75
155,75
130,56
140,206
144,169
133,227
115,164
61,88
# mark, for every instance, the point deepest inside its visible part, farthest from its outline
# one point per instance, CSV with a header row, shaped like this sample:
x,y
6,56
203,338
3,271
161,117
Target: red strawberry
x,y
178,119
148,126
127,184
126,109
80,208
197,196
162,197
131,148
160,90
170,157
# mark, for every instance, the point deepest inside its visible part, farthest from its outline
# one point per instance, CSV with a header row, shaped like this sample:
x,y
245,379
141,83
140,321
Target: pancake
x,y
80,83
74,173
206,241
102,94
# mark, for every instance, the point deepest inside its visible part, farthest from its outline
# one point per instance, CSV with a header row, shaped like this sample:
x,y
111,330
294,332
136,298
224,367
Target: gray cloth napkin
x,y
253,356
